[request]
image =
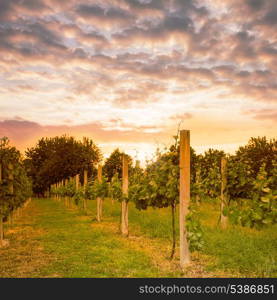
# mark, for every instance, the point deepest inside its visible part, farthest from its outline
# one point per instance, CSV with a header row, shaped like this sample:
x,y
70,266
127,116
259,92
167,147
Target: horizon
x,y
137,150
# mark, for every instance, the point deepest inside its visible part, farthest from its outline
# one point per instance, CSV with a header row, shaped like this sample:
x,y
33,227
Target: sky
x,y
126,73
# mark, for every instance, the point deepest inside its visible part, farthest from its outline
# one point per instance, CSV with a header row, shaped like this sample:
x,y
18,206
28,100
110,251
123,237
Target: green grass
x,y
153,223
238,251
58,242
82,251
243,251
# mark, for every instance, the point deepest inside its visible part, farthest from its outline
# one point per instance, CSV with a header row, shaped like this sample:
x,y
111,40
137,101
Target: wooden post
x,y
10,167
66,198
197,179
109,187
69,199
184,195
59,196
99,200
72,203
223,219
77,181
56,195
124,204
85,183
62,197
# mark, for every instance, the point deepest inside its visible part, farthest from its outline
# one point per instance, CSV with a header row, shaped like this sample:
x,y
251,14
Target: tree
x,y
257,152
113,165
54,159
15,186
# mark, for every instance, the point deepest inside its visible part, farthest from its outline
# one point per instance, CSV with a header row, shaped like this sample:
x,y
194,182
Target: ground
x,y
50,240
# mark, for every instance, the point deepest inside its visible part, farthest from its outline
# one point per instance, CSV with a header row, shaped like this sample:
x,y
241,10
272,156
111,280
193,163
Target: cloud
x,y
110,13
155,61
183,116
256,4
152,4
9,7
22,132
266,115
263,114
19,132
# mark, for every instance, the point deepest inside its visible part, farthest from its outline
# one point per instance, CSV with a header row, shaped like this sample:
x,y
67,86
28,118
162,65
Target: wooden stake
x,y
223,219
124,204
112,199
77,181
10,167
99,200
59,185
184,195
85,183
66,198
85,177
197,179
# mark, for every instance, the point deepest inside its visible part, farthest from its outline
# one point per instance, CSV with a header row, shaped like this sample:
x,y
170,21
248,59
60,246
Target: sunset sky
x,y
126,72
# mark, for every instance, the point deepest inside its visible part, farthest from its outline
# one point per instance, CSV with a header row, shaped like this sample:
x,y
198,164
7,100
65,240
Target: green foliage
x,y
159,186
239,182
69,189
90,193
101,188
115,191
259,151
261,210
139,188
15,187
194,231
96,189
54,159
208,165
251,181
113,165
79,195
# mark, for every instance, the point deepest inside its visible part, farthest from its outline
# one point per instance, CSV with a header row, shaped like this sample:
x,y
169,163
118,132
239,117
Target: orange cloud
x,y
128,70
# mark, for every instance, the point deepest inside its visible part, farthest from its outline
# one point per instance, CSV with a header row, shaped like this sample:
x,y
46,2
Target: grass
x,y
76,246
243,251
52,241
237,251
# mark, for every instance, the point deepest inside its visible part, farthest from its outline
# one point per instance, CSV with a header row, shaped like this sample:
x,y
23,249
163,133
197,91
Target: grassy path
x,y
50,240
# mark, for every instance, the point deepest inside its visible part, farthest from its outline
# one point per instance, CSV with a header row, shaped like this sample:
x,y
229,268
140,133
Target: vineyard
x,y
191,207
15,186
